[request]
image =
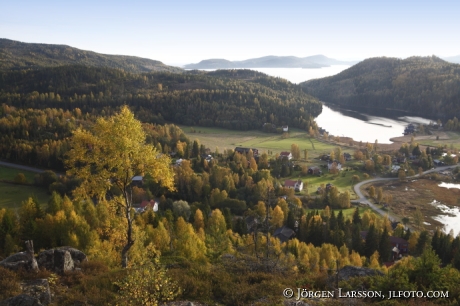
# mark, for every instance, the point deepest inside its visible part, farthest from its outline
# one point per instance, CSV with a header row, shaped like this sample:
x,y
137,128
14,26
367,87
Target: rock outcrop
x,y
350,271
21,300
39,289
22,260
59,260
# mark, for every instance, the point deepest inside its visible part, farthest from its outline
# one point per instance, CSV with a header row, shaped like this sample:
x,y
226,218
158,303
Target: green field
x,y
342,180
445,138
229,139
7,173
13,195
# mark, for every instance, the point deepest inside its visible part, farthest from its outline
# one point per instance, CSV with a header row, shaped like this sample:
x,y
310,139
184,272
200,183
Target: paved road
x,y
25,168
363,199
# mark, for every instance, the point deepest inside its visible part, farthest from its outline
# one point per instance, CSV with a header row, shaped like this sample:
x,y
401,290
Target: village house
x,y
399,246
287,155
314,170
285,128
296,185
246,151
137,181
331,165
284,233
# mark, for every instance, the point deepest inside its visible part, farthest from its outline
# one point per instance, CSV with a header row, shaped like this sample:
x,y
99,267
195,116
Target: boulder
x,y
350,271
21,300
22,260
57,260
39,289
77,256
61,259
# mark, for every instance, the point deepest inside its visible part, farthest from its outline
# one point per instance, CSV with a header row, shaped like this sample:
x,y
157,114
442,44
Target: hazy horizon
x,y
183,32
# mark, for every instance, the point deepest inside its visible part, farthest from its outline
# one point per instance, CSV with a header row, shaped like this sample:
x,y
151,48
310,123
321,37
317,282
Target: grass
x,y
13,195
7,173
342,180
229,139
446,138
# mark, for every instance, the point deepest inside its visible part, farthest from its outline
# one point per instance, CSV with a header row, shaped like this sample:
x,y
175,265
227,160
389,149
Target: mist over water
x,y
299,75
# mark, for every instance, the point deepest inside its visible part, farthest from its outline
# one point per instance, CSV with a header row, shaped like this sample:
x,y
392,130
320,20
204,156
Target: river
x,y
359,125
365,127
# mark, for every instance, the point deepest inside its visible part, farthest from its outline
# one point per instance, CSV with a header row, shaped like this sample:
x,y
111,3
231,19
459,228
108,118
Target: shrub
x,y
20,178
9,284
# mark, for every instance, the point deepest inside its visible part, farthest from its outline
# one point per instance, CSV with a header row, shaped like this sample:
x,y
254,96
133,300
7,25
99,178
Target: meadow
x,y
229,139
12,195
7,173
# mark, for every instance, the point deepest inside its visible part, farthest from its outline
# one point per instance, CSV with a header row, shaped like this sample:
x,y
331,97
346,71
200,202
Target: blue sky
x,y
180,32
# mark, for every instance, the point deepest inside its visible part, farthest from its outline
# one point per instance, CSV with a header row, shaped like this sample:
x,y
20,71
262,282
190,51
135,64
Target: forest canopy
x,y
426,86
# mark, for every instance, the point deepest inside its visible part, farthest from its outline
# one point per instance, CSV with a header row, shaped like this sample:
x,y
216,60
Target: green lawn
x,y
229,139
7,173
342,180
12,195
453,138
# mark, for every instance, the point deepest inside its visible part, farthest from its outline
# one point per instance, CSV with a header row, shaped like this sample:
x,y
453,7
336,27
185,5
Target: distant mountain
x,y
314,61
18,55
427,86
452,59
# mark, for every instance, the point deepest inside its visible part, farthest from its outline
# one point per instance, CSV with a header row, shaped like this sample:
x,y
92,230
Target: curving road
x,y
363,199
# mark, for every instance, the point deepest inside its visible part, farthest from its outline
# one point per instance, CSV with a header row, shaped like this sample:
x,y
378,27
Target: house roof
x,y
284,233
289,183
137,178
397,240
285,153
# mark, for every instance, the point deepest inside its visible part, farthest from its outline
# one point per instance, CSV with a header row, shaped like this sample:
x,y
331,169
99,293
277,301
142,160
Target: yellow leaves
x,y
112,153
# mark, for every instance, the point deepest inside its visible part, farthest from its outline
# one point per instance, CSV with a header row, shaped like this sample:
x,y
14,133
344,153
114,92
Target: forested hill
x,y
19,55
235,99
427,86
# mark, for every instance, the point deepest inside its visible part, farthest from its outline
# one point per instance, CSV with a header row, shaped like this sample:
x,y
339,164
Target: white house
x,y
331,164
296,185
287,155
285,128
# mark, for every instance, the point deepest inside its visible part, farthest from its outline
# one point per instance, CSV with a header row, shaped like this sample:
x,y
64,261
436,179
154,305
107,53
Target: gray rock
x,y
21,256
22,260
57,260
350,271
62,261
46,260
21,300
39,289
77,256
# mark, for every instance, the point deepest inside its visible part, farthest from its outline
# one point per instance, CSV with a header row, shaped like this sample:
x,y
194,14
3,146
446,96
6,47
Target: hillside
x,y
235,99
16,55
314,61
426,86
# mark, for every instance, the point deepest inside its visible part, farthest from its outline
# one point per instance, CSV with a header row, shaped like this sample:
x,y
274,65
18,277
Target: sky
x,y
182,32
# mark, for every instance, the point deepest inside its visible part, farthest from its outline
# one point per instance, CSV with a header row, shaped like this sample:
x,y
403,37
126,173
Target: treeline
x,y
221,99
40,137
426,86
